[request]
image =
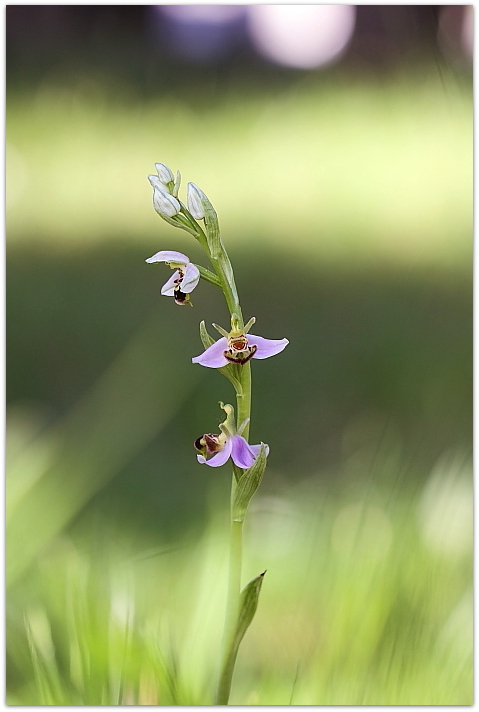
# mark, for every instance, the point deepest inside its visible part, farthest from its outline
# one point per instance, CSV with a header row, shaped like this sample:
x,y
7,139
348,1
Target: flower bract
x,y
195,205
183,280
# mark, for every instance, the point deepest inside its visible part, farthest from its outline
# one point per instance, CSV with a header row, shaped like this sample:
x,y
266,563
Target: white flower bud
x,y
156,183
165,203
164,173
195,204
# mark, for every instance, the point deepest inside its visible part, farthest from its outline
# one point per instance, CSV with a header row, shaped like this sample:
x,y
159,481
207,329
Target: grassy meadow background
x,y
344,198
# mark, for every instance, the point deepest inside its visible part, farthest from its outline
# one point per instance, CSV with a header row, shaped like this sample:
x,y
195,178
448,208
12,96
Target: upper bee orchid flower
x,y
183,280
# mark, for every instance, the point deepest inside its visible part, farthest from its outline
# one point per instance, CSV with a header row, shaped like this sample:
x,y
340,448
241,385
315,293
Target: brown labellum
x,y
241,356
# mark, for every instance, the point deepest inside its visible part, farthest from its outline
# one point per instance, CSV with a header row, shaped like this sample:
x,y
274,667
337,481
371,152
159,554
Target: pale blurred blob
x,y
122,608
446,508
39,632
456,33
467,33
16,175
147,689
302,36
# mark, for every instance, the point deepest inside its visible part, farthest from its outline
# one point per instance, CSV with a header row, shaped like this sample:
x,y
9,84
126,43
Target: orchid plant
x,y
231,355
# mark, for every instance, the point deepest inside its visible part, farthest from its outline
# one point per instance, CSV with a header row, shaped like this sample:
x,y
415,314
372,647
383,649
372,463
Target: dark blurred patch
x,y
135,45
396,346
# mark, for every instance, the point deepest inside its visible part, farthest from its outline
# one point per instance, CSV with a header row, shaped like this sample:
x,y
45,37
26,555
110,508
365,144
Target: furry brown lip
x,y
238,358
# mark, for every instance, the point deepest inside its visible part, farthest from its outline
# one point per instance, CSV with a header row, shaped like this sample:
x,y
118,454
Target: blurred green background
x,y
344,194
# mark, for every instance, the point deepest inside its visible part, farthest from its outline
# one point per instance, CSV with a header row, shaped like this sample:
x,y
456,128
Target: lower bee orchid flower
x,y
228,443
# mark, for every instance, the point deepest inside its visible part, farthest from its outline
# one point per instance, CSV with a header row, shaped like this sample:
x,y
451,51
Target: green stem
x,y
223,277
224,271
207,275
222,267
243,400
228,655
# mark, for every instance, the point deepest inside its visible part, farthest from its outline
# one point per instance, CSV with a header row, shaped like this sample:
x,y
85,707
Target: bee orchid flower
x,y
229,443
183,280
238,346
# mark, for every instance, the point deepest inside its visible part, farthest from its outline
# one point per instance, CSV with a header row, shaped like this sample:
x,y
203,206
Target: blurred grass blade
x,y
43,659
96,439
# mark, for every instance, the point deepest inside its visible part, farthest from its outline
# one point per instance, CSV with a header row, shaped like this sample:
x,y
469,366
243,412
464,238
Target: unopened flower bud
x,y
164,203
195,204
164,173
156,183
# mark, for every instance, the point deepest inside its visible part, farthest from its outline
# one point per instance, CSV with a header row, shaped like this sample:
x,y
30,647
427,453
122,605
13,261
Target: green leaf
x,y
248,484
248,605
206,339
211,225
228,372
247,608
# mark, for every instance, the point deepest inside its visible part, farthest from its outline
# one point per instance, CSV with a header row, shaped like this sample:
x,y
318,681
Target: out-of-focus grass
x,y
343,170
367,600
